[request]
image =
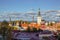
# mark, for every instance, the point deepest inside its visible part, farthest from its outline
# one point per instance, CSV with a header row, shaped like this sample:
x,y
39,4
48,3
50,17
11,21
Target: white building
x,y
39,17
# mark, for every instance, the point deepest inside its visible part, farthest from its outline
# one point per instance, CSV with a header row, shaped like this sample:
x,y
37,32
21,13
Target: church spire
x,y
39,17
39,12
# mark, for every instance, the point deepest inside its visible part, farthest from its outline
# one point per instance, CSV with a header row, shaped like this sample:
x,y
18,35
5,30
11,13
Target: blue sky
x,y
26,5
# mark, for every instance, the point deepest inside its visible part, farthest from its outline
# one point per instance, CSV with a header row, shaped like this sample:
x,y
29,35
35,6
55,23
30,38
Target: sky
x,y
9,6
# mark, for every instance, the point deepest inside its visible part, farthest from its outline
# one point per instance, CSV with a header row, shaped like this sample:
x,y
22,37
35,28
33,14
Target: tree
x,y
59,36
4,24
28,29
39,30
45,38
51,24
5,30
9,33
34,29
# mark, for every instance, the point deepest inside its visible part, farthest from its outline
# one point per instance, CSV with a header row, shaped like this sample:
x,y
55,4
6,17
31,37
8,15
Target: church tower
x,y
39,17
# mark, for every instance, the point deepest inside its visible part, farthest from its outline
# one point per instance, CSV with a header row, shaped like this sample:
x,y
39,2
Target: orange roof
x,y
34,25
39,26
24,25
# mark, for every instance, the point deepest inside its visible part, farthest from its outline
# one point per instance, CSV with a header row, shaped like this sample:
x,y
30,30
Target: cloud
x,y
58,10
57,14
49,14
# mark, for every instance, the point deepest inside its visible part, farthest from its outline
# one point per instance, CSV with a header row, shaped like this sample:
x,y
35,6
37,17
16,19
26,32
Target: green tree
x,y
59,36
9,33
39,30
28,29
34,29
45,38
4,24
5,30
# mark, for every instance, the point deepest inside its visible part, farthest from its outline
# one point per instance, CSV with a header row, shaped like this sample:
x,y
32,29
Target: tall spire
x,y
39,17
39,12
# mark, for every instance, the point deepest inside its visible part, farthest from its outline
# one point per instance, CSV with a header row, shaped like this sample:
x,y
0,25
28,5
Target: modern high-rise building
x,y
39,17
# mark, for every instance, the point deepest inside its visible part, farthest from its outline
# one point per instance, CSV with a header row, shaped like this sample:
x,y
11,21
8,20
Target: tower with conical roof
x,y
39,17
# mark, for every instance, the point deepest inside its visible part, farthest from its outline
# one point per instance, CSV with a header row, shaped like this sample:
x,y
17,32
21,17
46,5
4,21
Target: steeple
x,y
39,12
39,17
